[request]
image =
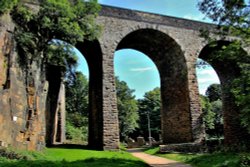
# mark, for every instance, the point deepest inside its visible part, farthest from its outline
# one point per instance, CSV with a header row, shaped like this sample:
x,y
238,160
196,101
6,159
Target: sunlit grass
x,y
217,159
55,157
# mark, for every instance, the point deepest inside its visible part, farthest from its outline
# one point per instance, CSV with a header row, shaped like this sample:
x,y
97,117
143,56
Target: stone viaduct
x,y
174,45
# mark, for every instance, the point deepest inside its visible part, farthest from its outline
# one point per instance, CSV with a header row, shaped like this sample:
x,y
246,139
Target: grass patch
x,y
219,159
66,157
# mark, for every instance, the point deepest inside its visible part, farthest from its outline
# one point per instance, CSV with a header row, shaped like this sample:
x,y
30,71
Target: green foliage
x,y
217,159
61,54
245,160
77,108
233,18
213,92
7,5
77,93
212,117
127,108
152,150
216,107
76,135
208,115
66,20
69,20
240,86
241,91
218,132
77,119
150,104
9,154
212,110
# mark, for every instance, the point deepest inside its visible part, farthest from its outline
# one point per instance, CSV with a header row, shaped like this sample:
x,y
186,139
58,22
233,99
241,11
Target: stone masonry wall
x,y
19,127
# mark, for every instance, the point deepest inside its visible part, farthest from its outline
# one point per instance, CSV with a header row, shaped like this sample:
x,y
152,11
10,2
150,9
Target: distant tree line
x,y
211,105
134,114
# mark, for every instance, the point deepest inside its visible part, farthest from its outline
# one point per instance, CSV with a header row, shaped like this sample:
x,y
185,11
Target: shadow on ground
x,y
70,146
91,162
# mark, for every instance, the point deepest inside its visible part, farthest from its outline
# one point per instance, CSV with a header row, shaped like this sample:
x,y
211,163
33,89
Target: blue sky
x,y
137,69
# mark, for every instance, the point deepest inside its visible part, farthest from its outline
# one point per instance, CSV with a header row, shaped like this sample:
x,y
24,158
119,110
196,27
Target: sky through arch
x,y
137,69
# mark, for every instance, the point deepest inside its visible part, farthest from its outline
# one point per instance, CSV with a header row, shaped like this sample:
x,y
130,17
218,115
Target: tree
x,y
127,108
233,18
208,115
62,55
216,107
6,5
68,20
212,116
150,104
77,107
77,94
213,92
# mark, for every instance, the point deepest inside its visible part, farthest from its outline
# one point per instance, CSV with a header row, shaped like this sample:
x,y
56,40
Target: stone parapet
x,y
151,18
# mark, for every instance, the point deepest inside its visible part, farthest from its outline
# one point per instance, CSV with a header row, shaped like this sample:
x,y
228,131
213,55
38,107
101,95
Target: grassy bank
x,y
218,159
65,157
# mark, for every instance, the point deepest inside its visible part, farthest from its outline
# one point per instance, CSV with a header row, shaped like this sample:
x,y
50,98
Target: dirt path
x,y
155,161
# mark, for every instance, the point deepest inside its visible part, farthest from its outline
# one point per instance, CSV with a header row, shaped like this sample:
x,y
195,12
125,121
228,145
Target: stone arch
x,y
91,51
93,54
169,58
56,101
227,70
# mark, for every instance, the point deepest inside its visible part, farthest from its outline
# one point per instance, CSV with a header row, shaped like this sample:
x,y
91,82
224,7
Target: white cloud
x,y
206,80
206,77
202,90
207,71
142,69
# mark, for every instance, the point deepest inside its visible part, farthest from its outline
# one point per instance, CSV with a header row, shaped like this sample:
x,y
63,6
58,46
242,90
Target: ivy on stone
x,y
233,19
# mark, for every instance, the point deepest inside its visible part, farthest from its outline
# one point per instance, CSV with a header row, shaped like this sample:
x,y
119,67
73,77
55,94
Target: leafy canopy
x,y
7,5
233,18
127,108
150,105
213,92
76,107
67,20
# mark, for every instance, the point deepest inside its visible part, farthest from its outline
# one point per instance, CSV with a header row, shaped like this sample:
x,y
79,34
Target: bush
x,y
7,5
245,160
76,135
8,154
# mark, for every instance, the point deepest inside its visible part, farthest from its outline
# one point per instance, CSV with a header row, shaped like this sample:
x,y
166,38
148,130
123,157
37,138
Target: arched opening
x,y
227,69
67,100
87,108
176,126
211,101
138,96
